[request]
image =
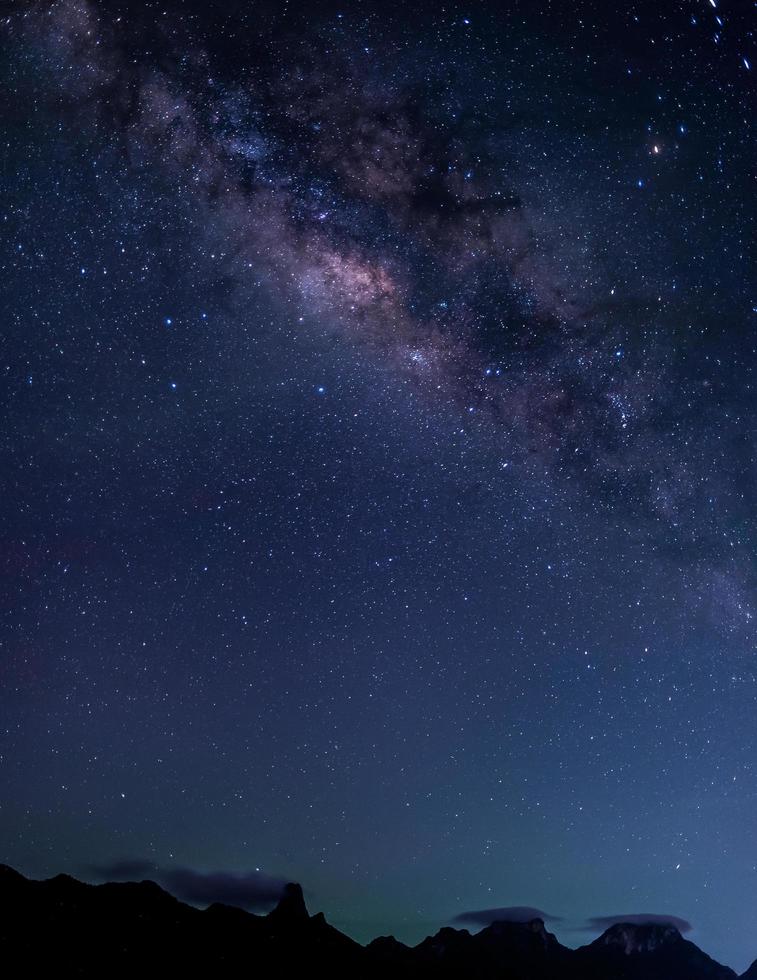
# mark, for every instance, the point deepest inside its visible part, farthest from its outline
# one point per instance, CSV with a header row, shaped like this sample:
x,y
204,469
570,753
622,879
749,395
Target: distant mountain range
x,y
66,928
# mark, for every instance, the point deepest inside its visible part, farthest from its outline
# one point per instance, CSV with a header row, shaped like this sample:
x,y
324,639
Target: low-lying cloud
x,y
512,913
638,919
252,890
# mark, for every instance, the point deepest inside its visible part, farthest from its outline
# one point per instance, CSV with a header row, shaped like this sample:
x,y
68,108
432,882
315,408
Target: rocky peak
x,y
639,937
291,908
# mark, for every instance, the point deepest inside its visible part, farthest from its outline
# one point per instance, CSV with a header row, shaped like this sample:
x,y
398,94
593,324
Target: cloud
x,y
639,919
252,890
126,870
512,913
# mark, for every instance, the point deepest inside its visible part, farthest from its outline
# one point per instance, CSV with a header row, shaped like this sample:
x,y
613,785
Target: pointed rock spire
x,y
291,908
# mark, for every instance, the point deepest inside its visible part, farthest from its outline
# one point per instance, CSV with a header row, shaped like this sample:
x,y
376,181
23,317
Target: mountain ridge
x,y
62,923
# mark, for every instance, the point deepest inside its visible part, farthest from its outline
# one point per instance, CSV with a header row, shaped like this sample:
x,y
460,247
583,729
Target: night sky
x,y
378,454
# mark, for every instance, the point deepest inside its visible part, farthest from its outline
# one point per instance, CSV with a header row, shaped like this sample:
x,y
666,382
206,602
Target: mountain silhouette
x,y
751,973
647,952
63,927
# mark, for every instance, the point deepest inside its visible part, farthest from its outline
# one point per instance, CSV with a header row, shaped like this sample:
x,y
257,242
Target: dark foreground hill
x,y
65,928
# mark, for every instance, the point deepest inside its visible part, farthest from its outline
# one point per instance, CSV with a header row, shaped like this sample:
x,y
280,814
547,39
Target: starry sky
x,y
378,454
